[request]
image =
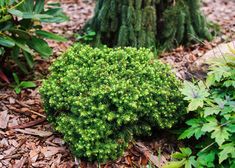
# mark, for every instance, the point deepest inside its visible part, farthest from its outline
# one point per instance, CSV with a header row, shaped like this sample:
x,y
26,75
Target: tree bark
x,y
148,23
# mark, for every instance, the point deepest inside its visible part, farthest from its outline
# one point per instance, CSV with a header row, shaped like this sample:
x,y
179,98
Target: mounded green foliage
x,y
148,23
100,98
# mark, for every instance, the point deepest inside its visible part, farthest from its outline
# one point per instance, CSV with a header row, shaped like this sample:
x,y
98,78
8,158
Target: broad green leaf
x,y
229,83
211,110
91,33
186,151
55,19
193,161
195,104
210,80
16,12
231,127
178,155
176,164
195,129
21,44
30,15
58,16
39,6
227,149
7,42
15,58
40,46
22,33
27,5
29,59
27,84
187,164
195,94
17,90
211,125
221,135
49,35
206,158
188,133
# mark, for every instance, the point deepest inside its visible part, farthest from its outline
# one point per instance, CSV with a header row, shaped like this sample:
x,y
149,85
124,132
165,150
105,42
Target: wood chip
x,y
4,118
50,151
34,132
20,163
29,124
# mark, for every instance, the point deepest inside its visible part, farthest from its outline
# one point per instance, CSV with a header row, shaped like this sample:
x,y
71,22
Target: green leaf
x,y
211,110
221,135
231,128
7,42
5,18
2,51
27,5
21,44
193,161
39,6
195,104
16,78
211,125
178,155
187,164
54,4
29,59
186,151
22,33
16,12
30,15
49,35
176,164
17,90
195,129
40,46
206,158
188,133
27,84
15,58
227,149
195,94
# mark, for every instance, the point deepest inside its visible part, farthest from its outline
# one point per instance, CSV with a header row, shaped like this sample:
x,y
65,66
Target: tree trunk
x,y
148,23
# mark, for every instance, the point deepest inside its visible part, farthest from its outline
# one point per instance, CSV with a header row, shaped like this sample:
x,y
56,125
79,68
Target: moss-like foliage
x,y
148,23
99,99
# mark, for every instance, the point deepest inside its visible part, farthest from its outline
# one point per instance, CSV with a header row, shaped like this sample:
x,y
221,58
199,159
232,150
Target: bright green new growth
x,y
100,98
148,23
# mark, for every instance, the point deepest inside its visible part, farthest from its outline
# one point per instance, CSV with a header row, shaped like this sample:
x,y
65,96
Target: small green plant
x,y
213,122
21,34
185,157
100,98
22,84
87,37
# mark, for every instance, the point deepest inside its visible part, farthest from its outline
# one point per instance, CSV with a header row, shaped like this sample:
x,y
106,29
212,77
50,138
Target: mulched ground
x,y
27,140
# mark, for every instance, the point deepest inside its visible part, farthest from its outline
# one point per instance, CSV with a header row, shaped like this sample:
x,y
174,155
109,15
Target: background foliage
x,y
21,31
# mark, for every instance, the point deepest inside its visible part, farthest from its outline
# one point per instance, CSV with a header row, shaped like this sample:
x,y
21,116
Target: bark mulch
x,y
27,140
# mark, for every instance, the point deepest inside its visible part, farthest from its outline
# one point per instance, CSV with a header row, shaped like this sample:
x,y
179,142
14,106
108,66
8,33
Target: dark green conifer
x,y
148,23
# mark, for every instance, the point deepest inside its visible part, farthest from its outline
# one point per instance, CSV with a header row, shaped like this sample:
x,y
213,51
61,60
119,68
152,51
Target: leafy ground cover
x,y
27,140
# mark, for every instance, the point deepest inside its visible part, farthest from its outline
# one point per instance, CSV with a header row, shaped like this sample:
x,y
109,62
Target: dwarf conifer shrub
x,y
100,98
